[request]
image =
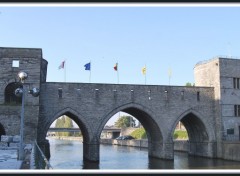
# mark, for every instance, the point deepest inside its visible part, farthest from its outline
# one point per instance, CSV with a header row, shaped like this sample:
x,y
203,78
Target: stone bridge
x,y
158,108
210,110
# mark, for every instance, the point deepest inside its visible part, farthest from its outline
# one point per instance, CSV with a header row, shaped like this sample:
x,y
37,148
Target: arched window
x,y
10,96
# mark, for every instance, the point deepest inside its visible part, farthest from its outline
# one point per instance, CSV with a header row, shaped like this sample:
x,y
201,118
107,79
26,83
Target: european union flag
x,y
87,66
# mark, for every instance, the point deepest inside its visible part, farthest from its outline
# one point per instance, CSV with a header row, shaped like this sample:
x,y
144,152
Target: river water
x,y
67,154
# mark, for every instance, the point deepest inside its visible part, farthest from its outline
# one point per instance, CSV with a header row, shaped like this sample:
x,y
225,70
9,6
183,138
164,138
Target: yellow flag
x,y
169,72
144,69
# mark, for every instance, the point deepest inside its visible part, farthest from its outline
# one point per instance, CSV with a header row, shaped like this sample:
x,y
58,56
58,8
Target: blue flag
x,y
87,66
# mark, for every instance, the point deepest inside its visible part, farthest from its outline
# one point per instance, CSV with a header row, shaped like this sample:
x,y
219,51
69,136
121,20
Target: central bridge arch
x,y
146,118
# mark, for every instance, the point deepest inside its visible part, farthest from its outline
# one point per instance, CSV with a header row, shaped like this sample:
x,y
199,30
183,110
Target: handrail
x,y
40,160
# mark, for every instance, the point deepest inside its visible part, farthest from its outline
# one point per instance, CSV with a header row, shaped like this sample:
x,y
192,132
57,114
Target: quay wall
x,y
231,150
180,145
71,138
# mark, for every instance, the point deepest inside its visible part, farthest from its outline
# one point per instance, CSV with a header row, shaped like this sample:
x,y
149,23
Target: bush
x,y
139,133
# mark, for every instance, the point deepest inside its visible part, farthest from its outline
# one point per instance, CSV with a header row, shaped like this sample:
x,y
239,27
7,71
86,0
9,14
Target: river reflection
x,y
68,155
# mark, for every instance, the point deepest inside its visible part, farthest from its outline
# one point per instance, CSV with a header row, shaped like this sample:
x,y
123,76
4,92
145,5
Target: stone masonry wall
x,y
229,95
95,103
207,73
29,60
92,105
219,73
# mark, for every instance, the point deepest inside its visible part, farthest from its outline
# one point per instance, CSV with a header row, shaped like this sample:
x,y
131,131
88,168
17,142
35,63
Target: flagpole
x,y
169,75
117,74
65,71
145,74
118,77
90,73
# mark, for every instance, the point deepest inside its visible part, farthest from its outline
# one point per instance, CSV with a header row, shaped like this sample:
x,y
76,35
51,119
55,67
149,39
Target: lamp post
x,y
20,92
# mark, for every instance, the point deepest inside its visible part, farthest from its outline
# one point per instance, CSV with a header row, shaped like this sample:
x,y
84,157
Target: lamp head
x,y
19,92
35,92
22,76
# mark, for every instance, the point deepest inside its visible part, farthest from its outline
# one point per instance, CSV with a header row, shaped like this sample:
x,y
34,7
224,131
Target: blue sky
x,y
161,37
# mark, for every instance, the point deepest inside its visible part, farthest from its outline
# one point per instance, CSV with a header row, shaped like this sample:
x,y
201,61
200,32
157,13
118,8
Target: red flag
x,y
116,67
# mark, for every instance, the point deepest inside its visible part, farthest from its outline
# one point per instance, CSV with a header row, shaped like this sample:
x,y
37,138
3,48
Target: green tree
x,y
68,124
64,122
59,124
124,121
189,84
139,133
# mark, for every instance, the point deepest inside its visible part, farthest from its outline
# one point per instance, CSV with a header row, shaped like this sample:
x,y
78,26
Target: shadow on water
x,y
196,162
181,161
90,165
155,163
184,161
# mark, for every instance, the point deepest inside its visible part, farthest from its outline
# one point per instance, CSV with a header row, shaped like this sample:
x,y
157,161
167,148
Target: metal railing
x,y
219,56
39,159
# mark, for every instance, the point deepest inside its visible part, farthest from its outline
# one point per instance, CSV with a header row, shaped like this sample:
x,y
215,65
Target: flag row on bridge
x,y
87,66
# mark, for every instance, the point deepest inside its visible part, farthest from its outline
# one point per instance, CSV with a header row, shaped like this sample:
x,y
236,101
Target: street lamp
x,y
20,92
22,76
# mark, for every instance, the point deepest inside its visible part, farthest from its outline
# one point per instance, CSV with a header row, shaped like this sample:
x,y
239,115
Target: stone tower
x,y
224,75
13,60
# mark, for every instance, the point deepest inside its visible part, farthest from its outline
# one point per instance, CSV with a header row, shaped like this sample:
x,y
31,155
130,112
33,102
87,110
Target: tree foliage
x,y
64,122
125,121
139,133
189,84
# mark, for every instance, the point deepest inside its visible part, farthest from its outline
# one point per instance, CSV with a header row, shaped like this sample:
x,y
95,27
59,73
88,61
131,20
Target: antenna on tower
x,y
229,50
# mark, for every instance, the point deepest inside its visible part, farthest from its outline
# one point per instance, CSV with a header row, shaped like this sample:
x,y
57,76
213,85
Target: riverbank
x,y
70,138
179,145
143,143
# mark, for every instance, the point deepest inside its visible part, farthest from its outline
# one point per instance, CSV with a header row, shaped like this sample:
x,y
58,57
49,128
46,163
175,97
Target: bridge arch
x,y
146,118
200,133
75,116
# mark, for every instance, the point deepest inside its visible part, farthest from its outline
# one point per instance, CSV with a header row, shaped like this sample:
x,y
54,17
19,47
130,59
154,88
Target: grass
x,y
180,134
141,134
